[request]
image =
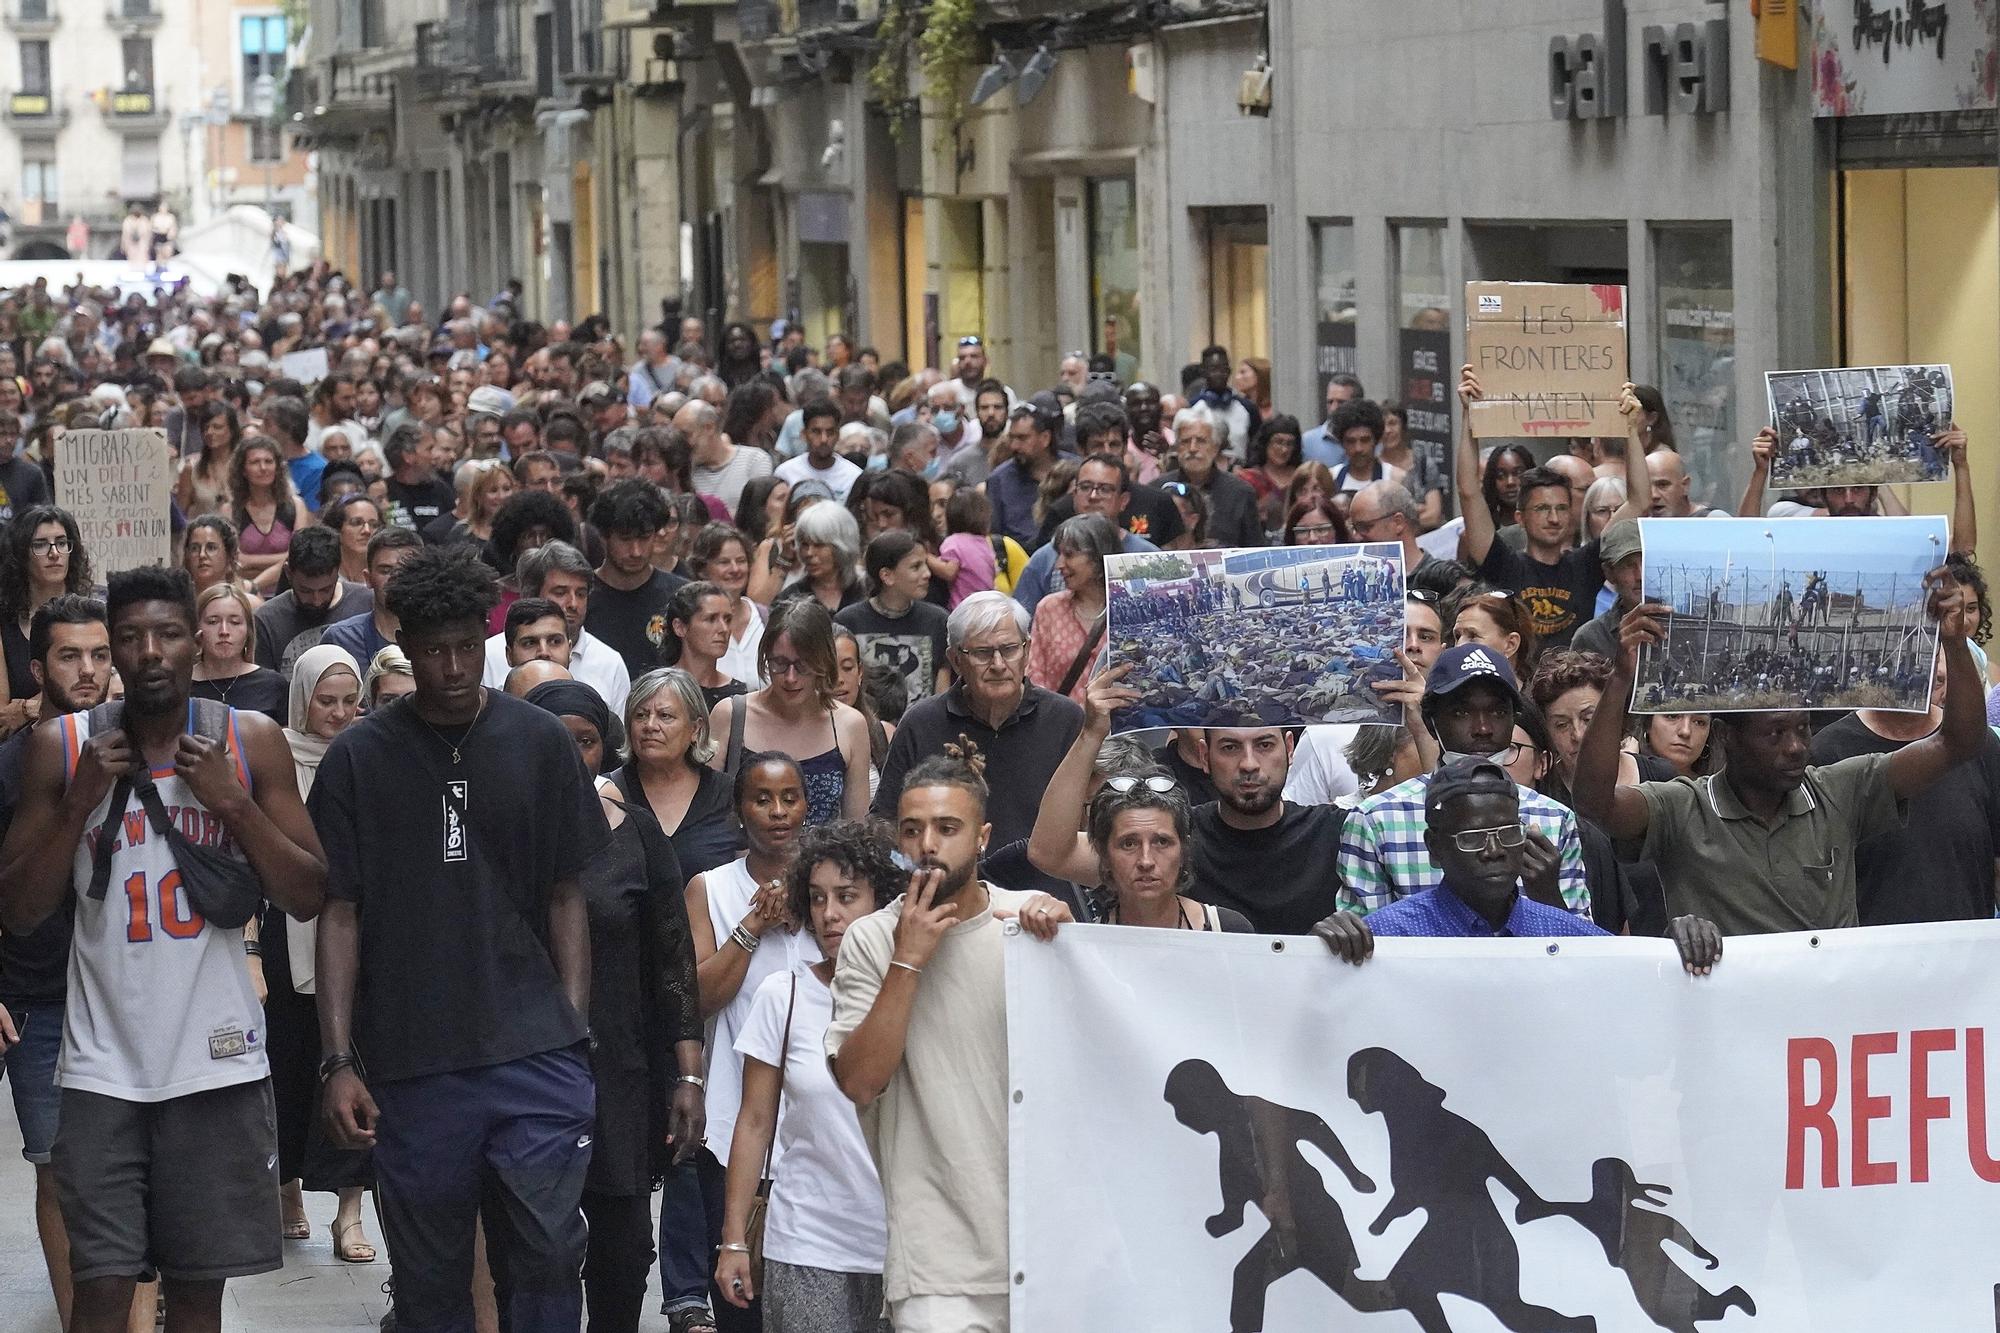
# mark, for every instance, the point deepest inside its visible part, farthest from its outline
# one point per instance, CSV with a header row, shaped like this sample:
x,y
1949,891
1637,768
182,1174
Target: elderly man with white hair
x,y
1021,730
1232,505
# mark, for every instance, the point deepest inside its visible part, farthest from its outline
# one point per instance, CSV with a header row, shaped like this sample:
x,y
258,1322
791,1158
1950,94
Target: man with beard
x,y
972,378
293,621
1254,851
70,656
919,1043
1471,705
167,1153
1016,484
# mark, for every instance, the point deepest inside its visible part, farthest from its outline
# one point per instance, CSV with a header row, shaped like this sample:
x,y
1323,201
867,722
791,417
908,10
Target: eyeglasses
x,y
1506,837
1159,784
1097,488
1313,530
1547,511
971,340
999,652
786,666
1424,595
50,546
360,521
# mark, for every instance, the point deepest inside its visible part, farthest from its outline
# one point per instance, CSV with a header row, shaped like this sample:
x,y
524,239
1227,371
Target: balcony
x,y
136,111
35,114
32,18
133,18
355,103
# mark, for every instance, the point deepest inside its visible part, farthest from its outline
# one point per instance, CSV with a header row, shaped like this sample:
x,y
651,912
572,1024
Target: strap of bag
x,y
734,758
1085,653
107,835
784,1059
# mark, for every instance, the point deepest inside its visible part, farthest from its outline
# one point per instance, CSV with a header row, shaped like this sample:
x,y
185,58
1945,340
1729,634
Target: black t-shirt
x,y
1282,877
708,835
911,644
34,968
450,867
632,623
285,629
1937,866
418,504
717,693
22,486
20,680
260,690
1560,597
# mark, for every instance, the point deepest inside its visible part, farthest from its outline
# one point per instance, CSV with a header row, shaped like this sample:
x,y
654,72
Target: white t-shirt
x,y
740,662
826,1203
730,891
726,483
838,476
1320,772
939,1130
591,660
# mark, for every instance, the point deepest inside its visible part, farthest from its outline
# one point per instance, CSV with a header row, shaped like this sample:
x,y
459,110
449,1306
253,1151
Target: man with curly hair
x,y
454,964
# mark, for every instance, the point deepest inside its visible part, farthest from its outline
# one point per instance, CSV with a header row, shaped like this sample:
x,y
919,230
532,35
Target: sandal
x,y
694,1319
297,1228
356,1252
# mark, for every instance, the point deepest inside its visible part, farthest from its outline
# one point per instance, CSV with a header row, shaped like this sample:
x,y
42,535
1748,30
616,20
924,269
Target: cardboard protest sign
x,y
1550,357
1775,614
119,485
1858,425
1256,637
307,367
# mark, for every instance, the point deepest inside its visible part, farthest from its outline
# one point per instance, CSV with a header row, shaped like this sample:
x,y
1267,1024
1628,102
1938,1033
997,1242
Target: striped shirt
x,y
1383,857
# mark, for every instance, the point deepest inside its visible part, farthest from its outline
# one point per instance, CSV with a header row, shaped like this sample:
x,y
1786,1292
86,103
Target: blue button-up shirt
x,y
1441,914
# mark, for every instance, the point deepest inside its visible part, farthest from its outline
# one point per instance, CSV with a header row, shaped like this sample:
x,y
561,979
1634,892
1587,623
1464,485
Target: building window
x,y
1334,302
1114,273
36,11
35,67
262,38
138,56
39,182
267,143
1695,331
1425,375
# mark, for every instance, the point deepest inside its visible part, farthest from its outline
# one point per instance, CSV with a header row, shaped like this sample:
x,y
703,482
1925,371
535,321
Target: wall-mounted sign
x,y
1683,69
1881,58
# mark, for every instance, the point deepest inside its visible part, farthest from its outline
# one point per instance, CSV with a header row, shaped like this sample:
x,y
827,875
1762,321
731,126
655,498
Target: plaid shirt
x,y
1383,857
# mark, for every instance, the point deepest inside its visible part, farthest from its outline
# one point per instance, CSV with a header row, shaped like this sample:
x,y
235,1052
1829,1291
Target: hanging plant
x,y
889,73
949,46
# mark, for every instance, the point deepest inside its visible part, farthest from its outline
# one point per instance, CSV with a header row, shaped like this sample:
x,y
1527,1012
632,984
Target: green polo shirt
x,y
1719,861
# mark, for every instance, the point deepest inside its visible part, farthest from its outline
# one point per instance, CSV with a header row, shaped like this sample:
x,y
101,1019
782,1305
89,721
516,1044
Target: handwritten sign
x,y
308,367
1550,357
119,484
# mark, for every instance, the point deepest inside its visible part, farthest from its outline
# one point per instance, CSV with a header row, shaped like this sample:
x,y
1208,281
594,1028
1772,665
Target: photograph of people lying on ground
x,y
1257,637
1781,613
1862,426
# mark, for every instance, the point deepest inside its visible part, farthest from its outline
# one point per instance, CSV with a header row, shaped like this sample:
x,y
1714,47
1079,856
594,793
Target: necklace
x,y
456,755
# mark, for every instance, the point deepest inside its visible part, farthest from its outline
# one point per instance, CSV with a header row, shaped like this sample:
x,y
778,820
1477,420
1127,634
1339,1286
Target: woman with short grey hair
x,y
1069,624
1604,499
666,729
829,542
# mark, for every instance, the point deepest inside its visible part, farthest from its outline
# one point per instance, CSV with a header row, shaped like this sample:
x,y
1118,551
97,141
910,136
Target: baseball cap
x,y
1620,540
1465,777
1459,666
489,400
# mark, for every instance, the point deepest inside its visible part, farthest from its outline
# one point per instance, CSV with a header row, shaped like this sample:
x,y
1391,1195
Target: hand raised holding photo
x,y
1763,447
1945,603
1645,625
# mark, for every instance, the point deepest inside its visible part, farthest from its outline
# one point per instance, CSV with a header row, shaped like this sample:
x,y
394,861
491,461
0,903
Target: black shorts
x,y
188,1186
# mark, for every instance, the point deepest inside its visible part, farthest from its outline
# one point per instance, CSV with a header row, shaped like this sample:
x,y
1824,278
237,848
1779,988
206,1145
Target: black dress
x,y
260,690
708,835
20,681
291,1022
643,998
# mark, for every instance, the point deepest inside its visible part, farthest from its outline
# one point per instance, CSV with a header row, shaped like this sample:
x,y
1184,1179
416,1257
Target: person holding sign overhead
x,y
1557,581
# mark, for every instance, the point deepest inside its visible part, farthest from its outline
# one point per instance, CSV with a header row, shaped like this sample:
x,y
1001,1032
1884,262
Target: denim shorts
x,y
31,1069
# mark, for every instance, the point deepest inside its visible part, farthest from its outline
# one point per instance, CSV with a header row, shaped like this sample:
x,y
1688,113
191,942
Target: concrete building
x,y
248,148
102,111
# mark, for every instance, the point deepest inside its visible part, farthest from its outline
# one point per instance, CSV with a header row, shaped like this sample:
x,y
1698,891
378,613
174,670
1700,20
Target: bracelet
x,y
744,939
336,1062
734,1247
694,1080
911,968
253,948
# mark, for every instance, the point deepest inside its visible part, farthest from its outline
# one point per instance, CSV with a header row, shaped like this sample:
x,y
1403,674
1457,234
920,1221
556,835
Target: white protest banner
x,y
1240,1132
308,367
119,484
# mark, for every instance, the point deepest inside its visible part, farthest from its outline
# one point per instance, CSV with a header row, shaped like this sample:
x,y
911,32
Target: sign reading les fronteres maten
x,y
119,484
1550,357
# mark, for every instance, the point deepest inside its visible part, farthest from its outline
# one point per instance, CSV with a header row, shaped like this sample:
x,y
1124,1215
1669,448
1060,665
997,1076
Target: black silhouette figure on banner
x,y
1260,1163
1441,1163
1624,1216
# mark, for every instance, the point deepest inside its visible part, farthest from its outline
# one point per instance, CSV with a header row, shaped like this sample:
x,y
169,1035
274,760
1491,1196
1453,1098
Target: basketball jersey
x,y
160,1003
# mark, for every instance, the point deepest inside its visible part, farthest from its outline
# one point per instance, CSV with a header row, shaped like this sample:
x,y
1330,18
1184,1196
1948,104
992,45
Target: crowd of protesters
x,y
571,795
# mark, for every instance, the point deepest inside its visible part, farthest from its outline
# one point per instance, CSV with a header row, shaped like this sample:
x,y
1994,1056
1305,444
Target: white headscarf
x,y
307,749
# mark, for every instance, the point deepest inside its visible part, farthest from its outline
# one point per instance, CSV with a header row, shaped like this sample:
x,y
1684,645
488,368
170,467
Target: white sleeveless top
x,y
730,893
160,1003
